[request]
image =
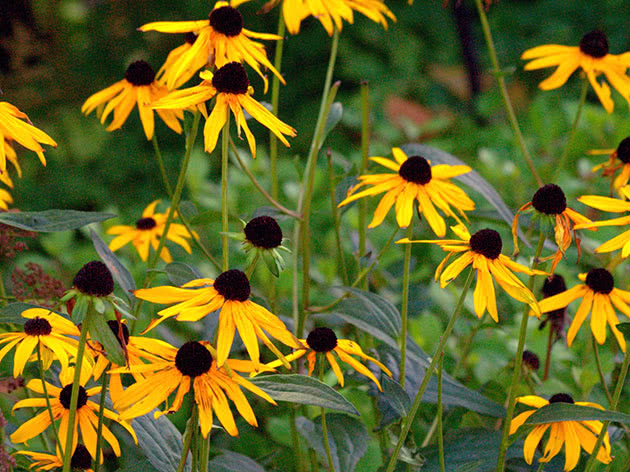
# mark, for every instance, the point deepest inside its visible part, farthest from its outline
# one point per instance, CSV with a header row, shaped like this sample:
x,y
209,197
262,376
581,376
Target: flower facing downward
x,y
554,285
574,435
592,56
618,159
81,459
415,180
168,72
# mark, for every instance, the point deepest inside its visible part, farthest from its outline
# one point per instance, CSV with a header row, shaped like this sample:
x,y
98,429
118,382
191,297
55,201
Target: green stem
x,y
99,429
250,268
204,456
224,194
439,414
504,92
600,371
335,216
541,466
331,465
3,292
158,156
48,407
404,310
295,440
408,420
275,98
191,425
365,150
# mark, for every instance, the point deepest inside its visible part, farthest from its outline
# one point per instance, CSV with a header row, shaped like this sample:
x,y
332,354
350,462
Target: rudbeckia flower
x,y
231,87
574,435
618,159
230,294
5,199
598,294
81,459
147,233
483,251
166,73
11,156
592,57
192,365
15,126
324,341
550,203
221,39
137,88
59,398
415,180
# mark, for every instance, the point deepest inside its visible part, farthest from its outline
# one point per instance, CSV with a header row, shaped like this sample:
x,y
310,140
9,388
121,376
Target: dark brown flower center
x,y
264,232
94,278
81,459
146,223
416,169
227,21
553,285
623,150
233,285
550,200
190,38
231,78
66,392
594,44
322,340
37,327
193,359
531,360
486,242
600,281
140,73
561,398
114,326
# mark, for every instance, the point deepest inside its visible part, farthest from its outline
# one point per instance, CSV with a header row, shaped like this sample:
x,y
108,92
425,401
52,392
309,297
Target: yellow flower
x,y
324,341
229,293
611,166
574,435
231,87
592,57
173,60
598,294
211,385
415,179
483,251
59,398
221,39
138,87
15,126
81,459
5,199
147,233
549,201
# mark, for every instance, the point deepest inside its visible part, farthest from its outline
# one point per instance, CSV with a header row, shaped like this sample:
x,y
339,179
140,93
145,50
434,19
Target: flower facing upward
x,y
415,180
221,39
81,459
483,251
147,232
618,159
137,88
598,295
15,126
231,87
212,386
592,56
574,435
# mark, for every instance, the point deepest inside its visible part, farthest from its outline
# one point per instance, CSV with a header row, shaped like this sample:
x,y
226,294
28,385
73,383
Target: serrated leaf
x,y
100,331
118,270
49,221
179,273
347,437
571,412
304,390
160,441
230,461
12,313
625,330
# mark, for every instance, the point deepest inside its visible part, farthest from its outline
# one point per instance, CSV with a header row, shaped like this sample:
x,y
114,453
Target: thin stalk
x,y
335,216
541,466
550,341
48,407
99,429
224,194
439,414
295,441
158,156
365,150
404,310
504,92
331,465
191,425
275,98
408,420
250,268
204,455
3,292
600,371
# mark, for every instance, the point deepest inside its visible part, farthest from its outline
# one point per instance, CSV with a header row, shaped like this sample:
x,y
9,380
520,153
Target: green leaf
x,y
80,309
161,442
371,313
230,461
571,412
12,313
347,437
179,273
118,270
304,390
49,221
625,330
100,331
334,117
393,403
270,263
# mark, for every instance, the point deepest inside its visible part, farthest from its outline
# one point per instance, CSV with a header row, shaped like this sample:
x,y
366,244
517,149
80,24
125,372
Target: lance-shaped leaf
x,y
230,461
100,331
118,270
571,412
179,273
50,221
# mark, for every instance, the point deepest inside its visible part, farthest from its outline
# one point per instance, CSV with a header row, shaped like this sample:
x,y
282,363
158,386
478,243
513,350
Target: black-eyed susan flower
x,y
618,159
483,251
598,294
415,180
147,232
81,459
531,360
140,88
324,341
231,87
86,417
550,204
592,57
5,199
573,435
221,39
166,73
229,292
15,126
192,365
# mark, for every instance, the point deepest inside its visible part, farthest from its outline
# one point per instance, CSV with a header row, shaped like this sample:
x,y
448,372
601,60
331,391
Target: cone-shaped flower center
x,y
623,150
227,21
37,327
146,223
193,359
66,392
600,281
594,44
264,232
94,278
553,285
140,73
233,285
113,325
190,38
531,360
322,340
561,398
416,169
486,242
550,200
81,459
231,78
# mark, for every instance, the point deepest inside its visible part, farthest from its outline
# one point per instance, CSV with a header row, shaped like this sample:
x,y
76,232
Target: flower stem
x,y
600,371
45,389
204,454
504,92
295,440
331,465
439,414
404,309
99,429
335,216
408,420
365,150
3,293
275,97
541,466
550,341
158,156
191,425
224,194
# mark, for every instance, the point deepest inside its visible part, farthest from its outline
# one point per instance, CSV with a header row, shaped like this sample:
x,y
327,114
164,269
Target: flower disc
x,y
416,169
81,459
233,285
37,327
146,223
264,232
193,359
140,73
322,340
113,325
531,360
600,281
550,200
231,78
486,242
561,398
594,44
94,278
66,392
553,285
226,20
623,150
